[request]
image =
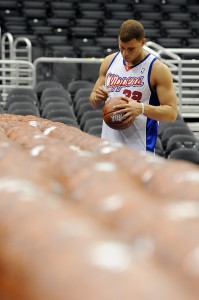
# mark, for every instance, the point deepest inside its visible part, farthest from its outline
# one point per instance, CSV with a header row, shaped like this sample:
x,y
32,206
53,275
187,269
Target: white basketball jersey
x,y
133,82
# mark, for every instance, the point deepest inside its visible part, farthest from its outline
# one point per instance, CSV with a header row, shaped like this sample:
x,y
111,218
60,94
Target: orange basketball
x,y
114,121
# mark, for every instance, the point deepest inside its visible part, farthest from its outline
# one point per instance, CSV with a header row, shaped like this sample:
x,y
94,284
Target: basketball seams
x,y
112,120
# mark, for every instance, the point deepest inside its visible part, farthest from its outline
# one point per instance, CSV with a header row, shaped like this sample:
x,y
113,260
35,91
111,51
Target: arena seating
x,y
42,85
52,101
66,29
93,19
23,108
74,86
89,29
56,91
14,99
81,217
188,154
181,141
173,130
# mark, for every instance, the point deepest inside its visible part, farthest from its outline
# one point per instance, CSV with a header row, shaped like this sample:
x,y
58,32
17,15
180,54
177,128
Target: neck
x,y
138,59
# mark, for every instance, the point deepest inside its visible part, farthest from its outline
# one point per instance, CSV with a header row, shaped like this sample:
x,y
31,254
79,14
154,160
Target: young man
x,y
144,81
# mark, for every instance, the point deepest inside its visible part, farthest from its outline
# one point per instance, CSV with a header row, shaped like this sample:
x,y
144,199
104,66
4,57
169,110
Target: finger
x,y
103,90
100,92
119,112
124,97
126,117
120,106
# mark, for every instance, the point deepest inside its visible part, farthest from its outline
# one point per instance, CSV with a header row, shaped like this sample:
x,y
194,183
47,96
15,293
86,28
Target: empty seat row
x,y
50,100
49,22
175,136
71,106
71,11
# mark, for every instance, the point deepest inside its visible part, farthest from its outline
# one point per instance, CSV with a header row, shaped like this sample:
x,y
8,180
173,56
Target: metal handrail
x,y
7,40
10,71
27,50
69,60
149,47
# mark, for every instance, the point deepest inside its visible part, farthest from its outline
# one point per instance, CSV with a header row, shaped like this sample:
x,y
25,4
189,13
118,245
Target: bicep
x,y
165,87
102,72
101,79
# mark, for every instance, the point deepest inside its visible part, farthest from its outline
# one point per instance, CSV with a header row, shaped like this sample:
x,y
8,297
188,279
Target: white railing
x,y
19,48
7,48
190,81
66,60
172,60
190,86
16,68
14,73
22,49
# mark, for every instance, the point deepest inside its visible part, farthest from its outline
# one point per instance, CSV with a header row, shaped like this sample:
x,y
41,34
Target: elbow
x,y
171,116
174,115
91,103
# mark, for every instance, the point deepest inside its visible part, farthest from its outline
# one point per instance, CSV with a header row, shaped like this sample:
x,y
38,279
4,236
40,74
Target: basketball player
x,y
144,81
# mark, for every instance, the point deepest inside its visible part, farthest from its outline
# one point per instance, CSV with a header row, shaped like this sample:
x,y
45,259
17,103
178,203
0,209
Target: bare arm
x,y
161,79
99,94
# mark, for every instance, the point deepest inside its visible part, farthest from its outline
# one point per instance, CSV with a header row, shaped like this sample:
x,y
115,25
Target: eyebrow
x,y
129,48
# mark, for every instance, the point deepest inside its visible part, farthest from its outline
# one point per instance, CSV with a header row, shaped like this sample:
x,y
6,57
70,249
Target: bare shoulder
x,y
160,68
111,56
108,59
161,74
106,62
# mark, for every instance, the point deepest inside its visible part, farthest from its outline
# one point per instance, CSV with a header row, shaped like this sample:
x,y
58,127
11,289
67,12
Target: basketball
x,y
114,121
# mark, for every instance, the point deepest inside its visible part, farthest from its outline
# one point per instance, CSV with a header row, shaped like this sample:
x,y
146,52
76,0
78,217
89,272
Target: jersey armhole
x,y
149,75
112,60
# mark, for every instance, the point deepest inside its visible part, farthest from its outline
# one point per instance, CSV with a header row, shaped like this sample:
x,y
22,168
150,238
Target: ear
x,y
144,41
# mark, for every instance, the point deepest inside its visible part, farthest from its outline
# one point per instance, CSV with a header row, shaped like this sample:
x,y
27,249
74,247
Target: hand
x,y
101,94
130,110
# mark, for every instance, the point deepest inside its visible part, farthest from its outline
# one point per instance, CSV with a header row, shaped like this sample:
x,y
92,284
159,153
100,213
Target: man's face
x,y
131,50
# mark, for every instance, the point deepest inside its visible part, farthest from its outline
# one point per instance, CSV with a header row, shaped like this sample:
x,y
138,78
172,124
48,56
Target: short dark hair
x,y
131,29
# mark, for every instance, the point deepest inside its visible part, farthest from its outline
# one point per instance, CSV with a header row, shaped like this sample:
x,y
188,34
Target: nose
x,y
125,53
